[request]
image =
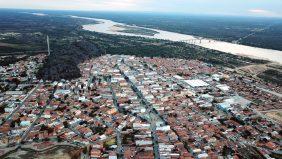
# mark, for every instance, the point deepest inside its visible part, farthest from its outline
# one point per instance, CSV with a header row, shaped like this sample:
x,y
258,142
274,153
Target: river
x,y
109,27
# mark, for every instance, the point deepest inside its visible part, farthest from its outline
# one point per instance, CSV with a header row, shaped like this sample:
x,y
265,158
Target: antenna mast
x,y
48,45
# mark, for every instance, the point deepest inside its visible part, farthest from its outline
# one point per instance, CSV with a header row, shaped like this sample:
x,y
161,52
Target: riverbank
x,y
105,26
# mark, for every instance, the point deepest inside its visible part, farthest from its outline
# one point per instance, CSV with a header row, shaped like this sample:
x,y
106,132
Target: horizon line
x,y
148,12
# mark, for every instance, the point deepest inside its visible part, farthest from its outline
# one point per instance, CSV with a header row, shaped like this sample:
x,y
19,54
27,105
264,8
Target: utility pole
x,y
48,45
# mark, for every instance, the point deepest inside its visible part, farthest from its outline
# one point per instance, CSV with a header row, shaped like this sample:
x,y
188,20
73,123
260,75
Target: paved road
x,y
270,91
119,144
152,119
90,76
272,110
25,134
118,137
118,134
21,104
120,149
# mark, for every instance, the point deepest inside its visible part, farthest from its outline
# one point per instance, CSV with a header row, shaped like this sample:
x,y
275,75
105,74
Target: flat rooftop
x,y
196,83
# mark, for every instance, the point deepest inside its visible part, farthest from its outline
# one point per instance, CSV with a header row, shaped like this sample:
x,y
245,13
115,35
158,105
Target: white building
x,y
196,83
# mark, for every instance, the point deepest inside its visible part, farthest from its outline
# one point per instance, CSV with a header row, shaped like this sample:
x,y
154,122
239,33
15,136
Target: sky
x,y
267,8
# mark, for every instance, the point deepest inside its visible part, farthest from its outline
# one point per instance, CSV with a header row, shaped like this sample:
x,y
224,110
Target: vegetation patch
x,y
272,75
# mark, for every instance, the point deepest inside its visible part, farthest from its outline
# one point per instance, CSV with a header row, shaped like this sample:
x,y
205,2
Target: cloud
x,y
110,4
263,12
259,11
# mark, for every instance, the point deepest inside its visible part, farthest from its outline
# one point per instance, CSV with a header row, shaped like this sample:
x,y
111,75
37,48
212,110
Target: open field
x,y
276,115
270,72
58,152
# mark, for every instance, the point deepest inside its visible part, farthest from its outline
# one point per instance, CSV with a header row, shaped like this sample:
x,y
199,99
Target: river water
x,y
109,27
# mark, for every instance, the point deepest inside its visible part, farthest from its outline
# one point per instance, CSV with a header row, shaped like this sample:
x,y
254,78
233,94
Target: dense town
x,y
140,107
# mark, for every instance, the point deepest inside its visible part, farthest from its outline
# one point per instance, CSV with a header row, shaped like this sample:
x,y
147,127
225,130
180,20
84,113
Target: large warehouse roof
x,y
196,83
